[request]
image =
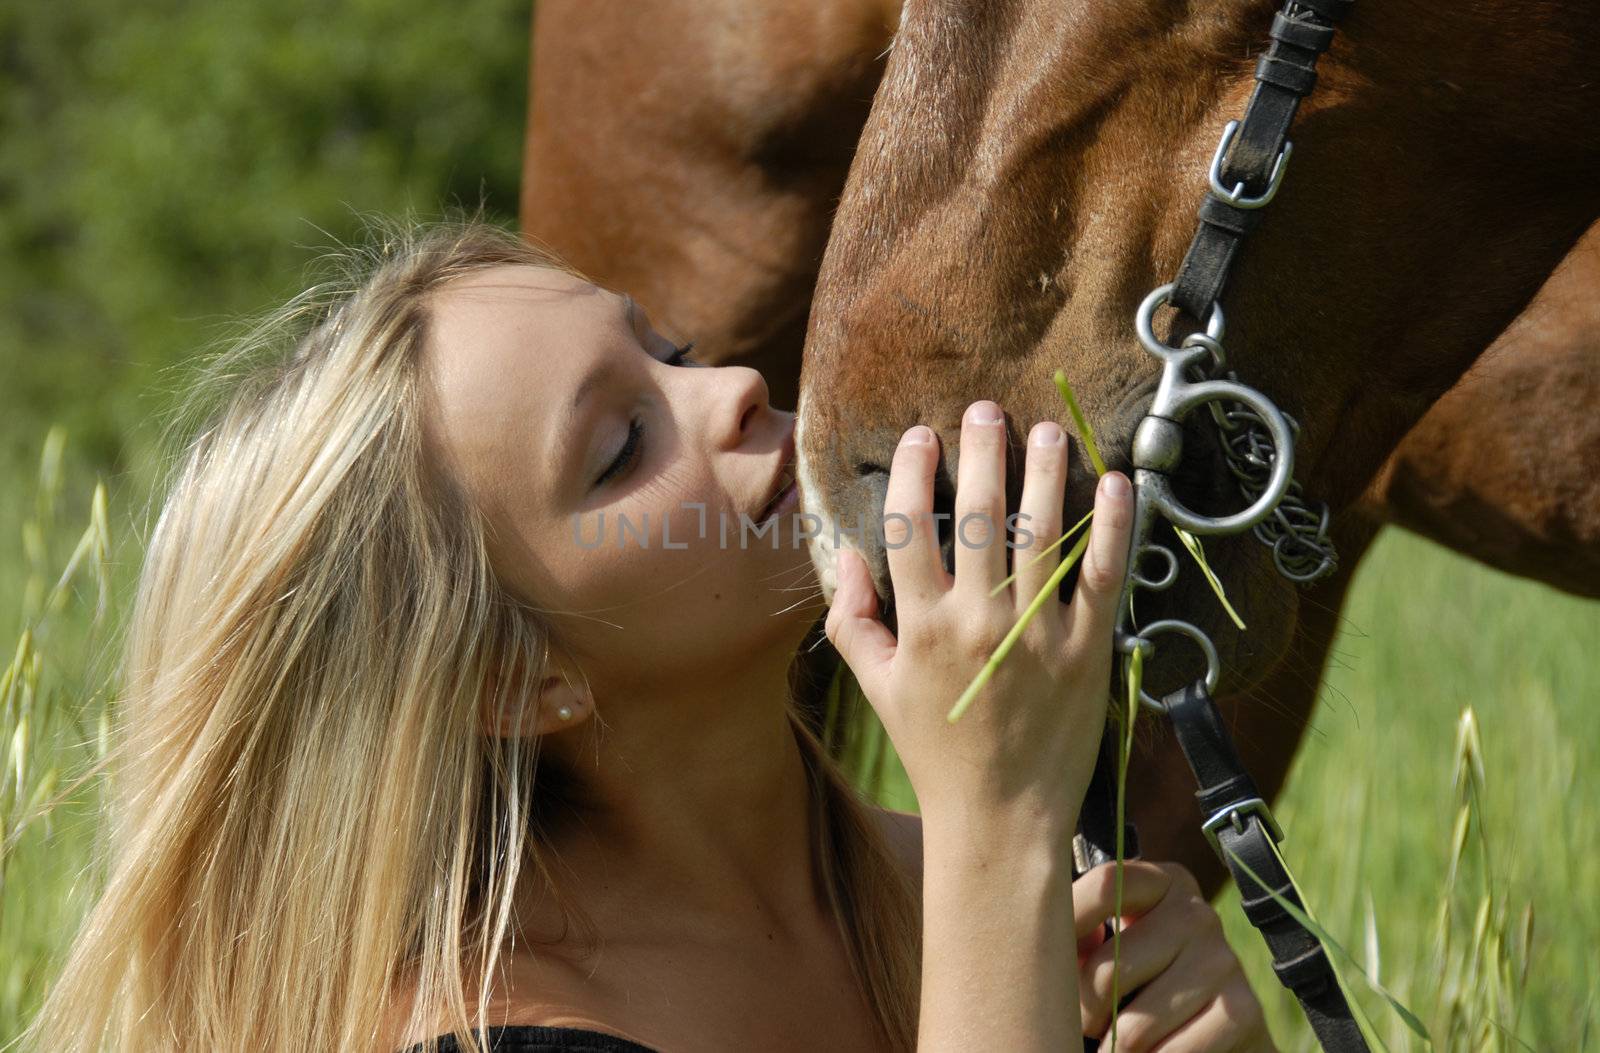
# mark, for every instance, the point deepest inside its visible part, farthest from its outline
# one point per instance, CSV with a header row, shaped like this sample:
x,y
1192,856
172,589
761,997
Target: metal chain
x,y
1297,529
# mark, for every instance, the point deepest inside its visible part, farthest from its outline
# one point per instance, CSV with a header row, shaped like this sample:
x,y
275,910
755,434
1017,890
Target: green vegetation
x,y
1455,854
53,730
170,165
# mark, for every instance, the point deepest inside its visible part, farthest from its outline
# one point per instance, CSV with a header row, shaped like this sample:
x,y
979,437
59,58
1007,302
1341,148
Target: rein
x,y
1258,446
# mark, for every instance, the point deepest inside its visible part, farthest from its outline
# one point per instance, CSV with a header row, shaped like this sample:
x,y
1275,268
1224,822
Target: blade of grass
x,y
876,758
100,517
1135,679
830,710
1084,431
1410,1018
1192,543
984,674
1043,553
1011,637
86,546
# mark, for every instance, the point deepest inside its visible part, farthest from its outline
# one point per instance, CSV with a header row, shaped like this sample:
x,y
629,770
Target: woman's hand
x,y
1019,759
1189,993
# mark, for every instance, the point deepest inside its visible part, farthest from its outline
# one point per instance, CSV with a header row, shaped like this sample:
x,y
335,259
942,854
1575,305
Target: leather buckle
x,y
1234,815
1237,197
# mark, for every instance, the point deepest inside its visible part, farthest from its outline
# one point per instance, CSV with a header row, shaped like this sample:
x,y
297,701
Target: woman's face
x,y
590,444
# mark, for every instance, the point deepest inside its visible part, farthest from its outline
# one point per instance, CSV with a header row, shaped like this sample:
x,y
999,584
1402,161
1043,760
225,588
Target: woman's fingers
x,y
980,511
1232,1022
1170,982
1172,920
909,536
1173,959
1099,591
852,626
1163,1004
1044,481
1094,895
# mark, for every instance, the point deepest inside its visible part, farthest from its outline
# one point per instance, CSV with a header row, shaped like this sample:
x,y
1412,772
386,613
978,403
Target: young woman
x,y
411,744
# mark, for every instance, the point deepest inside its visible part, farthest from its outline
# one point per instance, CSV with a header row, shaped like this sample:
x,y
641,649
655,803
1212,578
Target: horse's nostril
x,y
875,479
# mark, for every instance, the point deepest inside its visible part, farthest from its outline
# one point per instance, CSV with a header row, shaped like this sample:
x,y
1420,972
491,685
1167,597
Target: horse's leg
x,y
692,155
1267,723
1503,467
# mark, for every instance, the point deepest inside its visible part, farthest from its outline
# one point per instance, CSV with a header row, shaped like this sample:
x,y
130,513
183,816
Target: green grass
x,y
1375,803
59,589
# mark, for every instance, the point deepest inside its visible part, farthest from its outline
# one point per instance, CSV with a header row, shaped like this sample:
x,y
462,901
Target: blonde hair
x,y
305,816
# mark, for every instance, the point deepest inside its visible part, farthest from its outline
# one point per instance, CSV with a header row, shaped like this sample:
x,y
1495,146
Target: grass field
x,y
1374,807
1371,808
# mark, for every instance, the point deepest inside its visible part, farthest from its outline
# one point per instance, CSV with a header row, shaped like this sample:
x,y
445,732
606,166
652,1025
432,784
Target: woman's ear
x,y
558,702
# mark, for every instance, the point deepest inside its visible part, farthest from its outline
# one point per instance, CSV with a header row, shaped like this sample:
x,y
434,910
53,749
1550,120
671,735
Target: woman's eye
x,y
631,449
627,455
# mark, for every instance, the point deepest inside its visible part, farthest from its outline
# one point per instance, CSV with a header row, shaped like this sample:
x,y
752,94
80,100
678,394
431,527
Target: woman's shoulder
x,y
902,832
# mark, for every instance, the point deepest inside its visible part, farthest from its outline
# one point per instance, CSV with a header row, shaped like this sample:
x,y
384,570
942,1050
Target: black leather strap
x,y
1285,74
1245,832
1234,815
1097,820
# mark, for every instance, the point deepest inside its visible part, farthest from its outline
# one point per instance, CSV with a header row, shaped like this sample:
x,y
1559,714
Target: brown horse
x,y
708,190
692,154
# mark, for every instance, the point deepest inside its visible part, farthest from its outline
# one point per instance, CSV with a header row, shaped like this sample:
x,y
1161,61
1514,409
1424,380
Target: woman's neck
x,y
696,801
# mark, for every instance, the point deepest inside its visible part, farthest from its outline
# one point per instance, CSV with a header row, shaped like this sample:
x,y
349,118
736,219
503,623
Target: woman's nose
x,y
748,395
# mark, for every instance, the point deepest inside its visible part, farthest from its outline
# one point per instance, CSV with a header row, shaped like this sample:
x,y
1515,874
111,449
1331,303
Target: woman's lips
x,y
786,501
783,482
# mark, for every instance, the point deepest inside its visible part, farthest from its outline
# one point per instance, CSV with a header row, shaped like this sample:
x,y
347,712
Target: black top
x,y
530,1038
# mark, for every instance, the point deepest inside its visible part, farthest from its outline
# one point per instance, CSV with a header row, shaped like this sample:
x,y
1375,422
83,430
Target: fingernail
x,y
984,412
1115,483
917,436
1046,433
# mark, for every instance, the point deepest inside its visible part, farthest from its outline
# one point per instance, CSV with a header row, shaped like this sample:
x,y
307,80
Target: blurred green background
x,y
168,167
168,164
164,168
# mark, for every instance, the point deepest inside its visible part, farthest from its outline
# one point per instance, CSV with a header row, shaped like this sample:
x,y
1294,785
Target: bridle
x,y
1258,445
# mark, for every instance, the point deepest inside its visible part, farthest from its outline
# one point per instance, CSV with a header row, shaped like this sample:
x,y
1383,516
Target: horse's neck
x,y
1500,71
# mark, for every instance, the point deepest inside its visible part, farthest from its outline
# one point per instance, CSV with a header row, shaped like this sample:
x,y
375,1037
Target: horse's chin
x,y
1268,604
